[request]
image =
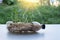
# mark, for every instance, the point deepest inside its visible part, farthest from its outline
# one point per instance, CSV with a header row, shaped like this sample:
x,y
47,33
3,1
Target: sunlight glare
x,y
30,4
33,1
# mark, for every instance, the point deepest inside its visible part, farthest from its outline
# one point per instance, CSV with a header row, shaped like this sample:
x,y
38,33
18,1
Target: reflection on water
x,y
33,36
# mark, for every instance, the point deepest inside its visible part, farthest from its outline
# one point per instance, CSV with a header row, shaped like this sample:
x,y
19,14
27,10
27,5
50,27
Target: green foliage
x,y
43,14
9,2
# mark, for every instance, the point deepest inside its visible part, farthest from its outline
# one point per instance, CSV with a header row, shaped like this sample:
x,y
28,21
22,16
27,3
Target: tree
x,y
43,2
9,2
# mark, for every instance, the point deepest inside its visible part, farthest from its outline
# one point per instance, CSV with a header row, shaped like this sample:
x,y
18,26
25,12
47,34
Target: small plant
x,y
46,14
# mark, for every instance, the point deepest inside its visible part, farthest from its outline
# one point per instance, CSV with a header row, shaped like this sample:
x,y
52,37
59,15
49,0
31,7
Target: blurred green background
x,y
46,12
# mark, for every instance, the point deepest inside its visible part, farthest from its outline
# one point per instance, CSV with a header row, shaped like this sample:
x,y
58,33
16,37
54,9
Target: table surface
x,y
52,32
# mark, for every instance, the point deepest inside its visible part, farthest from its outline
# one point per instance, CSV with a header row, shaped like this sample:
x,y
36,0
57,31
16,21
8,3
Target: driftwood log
x,y
24,27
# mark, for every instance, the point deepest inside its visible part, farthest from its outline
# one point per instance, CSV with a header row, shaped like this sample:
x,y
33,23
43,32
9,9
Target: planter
x,y
22,27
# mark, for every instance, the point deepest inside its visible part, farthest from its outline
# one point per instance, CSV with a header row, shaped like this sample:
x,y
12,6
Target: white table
x,y
52,32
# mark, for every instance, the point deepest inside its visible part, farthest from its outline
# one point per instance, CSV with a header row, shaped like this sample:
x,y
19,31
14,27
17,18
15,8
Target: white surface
x,y
52,32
